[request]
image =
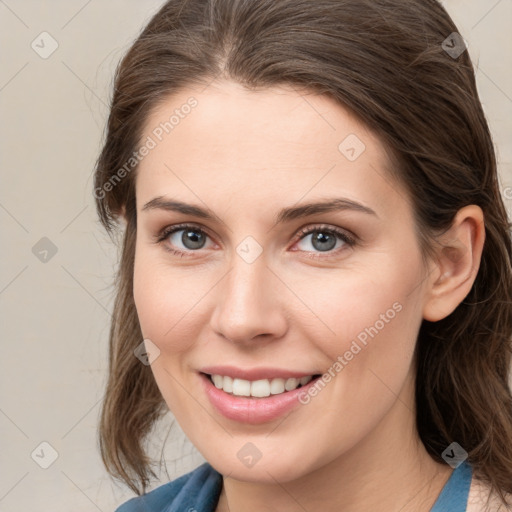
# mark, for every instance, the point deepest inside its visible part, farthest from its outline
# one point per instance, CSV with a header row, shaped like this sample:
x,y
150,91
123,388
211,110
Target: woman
x,y
316,268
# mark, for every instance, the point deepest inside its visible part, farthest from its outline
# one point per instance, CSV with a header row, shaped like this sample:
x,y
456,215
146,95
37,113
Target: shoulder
x,y
200,489
479,493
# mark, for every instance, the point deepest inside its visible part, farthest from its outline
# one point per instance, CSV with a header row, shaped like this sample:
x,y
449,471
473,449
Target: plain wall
x,y
55,314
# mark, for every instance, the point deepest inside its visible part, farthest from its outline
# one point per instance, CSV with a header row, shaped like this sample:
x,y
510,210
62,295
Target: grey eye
x,y
191,239
321,240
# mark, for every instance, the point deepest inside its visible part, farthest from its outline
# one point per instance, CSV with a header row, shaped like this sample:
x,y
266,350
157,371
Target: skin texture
x,y
245,155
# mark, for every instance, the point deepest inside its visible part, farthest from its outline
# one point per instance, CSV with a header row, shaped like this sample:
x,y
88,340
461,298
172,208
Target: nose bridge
x,y
246,305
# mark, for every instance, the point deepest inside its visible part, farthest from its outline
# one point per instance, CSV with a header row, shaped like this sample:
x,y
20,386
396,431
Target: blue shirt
x,y
199,491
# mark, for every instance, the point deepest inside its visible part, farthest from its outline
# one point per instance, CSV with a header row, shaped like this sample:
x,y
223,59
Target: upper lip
x,y
254,373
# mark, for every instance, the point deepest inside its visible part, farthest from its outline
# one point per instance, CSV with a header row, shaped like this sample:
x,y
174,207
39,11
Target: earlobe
x,y
457,264
122,215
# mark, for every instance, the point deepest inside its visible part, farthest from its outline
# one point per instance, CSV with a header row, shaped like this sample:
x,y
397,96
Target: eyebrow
x,y
285,215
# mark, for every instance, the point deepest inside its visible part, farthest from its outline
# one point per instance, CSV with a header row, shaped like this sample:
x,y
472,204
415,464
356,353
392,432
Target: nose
x,y
249,303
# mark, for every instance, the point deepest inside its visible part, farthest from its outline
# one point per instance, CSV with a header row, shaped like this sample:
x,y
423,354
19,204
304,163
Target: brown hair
x,y
385,61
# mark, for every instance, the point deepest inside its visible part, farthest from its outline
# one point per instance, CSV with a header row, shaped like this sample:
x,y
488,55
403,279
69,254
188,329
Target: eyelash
x,y
350,241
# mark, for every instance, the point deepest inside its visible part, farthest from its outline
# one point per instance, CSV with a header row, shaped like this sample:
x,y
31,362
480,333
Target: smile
x,y
255,401
258,388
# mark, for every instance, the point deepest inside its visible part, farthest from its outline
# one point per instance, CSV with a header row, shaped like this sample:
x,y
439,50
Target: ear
x,y
122,215
457,263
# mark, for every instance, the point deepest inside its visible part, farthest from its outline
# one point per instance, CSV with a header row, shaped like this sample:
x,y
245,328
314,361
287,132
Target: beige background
x,y
55,314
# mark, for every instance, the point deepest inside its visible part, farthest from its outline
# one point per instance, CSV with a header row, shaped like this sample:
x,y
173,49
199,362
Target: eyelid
x,y
341,232
348,238
169,230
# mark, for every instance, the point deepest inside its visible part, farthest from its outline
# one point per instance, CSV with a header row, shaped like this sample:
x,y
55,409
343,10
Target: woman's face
x,y
251,295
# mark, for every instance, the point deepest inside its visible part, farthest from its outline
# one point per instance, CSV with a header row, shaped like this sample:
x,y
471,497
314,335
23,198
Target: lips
x,y
249,409
253,374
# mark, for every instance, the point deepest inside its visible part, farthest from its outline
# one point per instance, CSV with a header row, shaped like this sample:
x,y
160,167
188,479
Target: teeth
x,y
277,386
291,384
258,388
217,381
241,387
305,380
227,384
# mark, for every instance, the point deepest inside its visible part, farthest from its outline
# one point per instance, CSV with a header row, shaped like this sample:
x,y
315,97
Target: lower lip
x,y
253,410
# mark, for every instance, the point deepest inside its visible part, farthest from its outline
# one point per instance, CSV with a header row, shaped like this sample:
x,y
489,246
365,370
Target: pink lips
x,y
254,373
249,409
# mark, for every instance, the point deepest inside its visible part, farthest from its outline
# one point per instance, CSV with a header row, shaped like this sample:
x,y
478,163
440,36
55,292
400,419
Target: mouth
x,y
256,401
260,388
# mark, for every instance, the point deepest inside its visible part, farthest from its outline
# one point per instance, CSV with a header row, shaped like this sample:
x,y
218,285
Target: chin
x,y
268,471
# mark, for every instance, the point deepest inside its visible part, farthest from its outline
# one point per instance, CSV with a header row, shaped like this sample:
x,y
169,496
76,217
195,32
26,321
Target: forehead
x,y
228,114
262,145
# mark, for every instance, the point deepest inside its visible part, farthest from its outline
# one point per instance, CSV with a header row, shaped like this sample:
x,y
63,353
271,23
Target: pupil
x,y
192,239
326,242
321,241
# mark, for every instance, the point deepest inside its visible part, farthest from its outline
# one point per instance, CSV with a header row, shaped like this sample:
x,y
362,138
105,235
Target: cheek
x,y
147,296
375,317
168,303
162,300
370,317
